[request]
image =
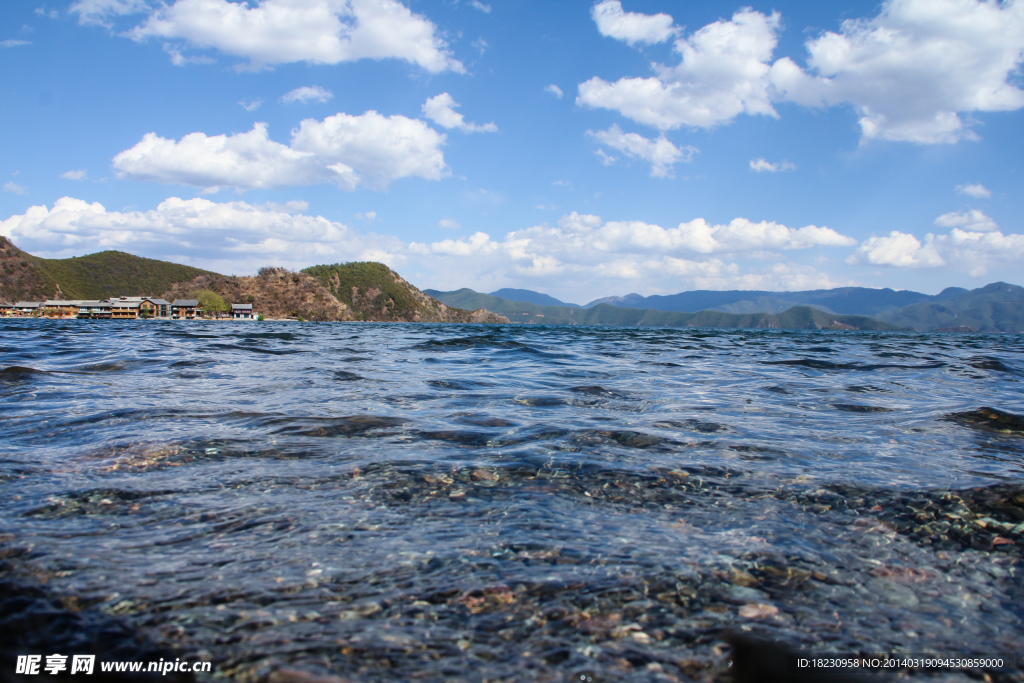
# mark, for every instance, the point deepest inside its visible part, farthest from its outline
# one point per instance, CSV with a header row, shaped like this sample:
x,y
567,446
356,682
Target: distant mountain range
x,y
998,307
797,317
844,300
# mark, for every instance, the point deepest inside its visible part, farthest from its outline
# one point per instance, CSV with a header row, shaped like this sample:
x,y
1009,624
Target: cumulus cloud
x,y
723,72
251,105
307,93
269,32
631,27
14,43
441,110
234,236
476,4
590,253
448,224
74,175
975,244
976,190
554,90
913,69
910,73
898,249
15,188
369,150
762,165
101,11
661,153
973,221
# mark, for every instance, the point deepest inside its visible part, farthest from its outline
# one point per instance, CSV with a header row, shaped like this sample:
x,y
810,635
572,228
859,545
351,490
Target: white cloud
x,y
913,69
251,105
973,221
661,153
178,59
269,32
761,165
898,249
476,4
234,236
554,90
100,11
976,190
14,43
74,175
440,110
15,188
594,256
974,244
723,73
448,224
292,206
910,72
632,27
350,151
980,251
307,93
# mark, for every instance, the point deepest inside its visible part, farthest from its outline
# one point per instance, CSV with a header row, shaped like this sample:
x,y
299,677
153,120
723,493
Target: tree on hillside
x,y
211,302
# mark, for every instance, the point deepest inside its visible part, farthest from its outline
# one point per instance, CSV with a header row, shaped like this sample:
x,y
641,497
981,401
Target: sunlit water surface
x,y
436,502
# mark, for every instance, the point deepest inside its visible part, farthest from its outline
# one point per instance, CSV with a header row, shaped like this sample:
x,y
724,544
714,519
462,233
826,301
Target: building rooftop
x,y
185,302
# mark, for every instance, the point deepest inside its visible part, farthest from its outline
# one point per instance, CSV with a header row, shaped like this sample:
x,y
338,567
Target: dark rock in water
x,y
990,419
989,363
762,661
16,373
856,408
32,622
345,376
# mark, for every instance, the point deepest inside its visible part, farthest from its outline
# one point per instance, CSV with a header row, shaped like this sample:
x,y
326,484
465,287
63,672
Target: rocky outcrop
x,y
376,293
274,293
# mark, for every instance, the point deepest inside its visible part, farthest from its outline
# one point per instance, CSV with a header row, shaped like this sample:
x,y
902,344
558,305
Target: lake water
x,y
456,502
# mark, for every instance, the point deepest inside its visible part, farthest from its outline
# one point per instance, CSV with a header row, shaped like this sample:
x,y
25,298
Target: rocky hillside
x,y
375,292
274,293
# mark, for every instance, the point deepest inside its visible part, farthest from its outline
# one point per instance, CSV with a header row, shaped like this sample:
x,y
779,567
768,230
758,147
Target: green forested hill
x,y
96,276
798,317
998,307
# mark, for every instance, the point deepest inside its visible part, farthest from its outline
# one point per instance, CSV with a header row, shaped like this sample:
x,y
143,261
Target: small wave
x,y
256,349
458,384
827,365
692,425
354,425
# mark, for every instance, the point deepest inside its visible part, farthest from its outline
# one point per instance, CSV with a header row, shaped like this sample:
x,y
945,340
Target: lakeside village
x,y
123,308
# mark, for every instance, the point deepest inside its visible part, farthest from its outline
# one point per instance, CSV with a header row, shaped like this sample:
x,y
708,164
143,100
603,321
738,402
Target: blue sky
x,y
580,149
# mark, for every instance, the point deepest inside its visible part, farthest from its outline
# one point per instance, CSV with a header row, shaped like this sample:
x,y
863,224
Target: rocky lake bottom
x,y
415,502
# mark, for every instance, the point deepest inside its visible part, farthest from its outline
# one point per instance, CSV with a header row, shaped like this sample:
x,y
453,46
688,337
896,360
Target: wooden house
x,y
186,309
94,310
241,312
27,309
